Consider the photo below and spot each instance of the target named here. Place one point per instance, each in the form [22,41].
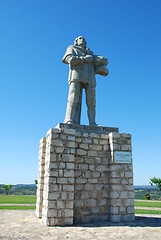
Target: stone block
[53,165]
[131,194]
[128,218]
[68,188]
[102,202]
[84,146]
[114,135]
[95,174]
[69,131]
[115,218]
[81,152]
[115,174]
[103,142]
[78,140]
[126,147]
[104,136]
[57,143]
[101,168]
[53,196]
[130,210]
[92,153]
[85,135]
[69,173]
[60,204]
[114,210]
[96,147]
[59,149]
[128,174]
[69,204]
[123,210]
[68,212]
[129,202]
[124,194]
[114,194]
[94,135]
[71,138]
[51,213]
[71,144]
[68,157]
[91,202]
[95,141]
[87,140]
[69,165]
[81,180]
[92,167]
[125,135]
[68,221]
[62,180]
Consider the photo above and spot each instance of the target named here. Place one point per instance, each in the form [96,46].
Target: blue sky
[33,80]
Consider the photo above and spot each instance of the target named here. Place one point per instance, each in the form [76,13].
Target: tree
[7,187]
[156,181]
[35,181]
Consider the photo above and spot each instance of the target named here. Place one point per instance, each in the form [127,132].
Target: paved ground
[24,225]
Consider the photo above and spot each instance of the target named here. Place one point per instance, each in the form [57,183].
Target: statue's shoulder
[70,49]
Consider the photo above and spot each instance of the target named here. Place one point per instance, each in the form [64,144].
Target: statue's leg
[73,111]
[91,103]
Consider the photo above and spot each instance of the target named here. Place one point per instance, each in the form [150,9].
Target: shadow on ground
[140,221]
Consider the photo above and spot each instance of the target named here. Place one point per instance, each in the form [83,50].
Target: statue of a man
[83,65]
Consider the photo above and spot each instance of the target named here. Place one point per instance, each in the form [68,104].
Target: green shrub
[147,196]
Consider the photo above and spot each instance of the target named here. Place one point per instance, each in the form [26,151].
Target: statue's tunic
[83,73]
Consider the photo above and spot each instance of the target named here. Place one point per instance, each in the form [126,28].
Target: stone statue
[83,65]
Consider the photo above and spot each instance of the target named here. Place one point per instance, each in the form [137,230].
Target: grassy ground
[15,202]
[143,211]
[17,207]
[17,199]
[149,204]
[23,202]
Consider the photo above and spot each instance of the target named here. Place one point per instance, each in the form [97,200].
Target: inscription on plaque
[122,157]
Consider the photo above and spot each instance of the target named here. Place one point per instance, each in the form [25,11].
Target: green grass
[17,199]
[142,211]
[147,204]
[17,207]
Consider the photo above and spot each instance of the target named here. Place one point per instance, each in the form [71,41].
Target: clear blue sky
[34,35]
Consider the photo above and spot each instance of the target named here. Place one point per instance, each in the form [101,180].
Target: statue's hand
[88,59]
[76,61]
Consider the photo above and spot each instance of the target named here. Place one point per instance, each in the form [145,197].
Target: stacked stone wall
[92,178]
[80,181]
[41,173]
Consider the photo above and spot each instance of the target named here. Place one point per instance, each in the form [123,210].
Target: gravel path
[24,225]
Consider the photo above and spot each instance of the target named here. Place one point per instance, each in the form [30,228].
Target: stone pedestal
[79,180]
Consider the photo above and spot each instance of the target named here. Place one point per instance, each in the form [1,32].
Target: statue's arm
[74,60]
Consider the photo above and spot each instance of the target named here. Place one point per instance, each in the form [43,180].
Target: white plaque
[122,157]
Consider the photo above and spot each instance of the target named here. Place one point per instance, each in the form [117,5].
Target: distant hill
[20,189]
[30,189]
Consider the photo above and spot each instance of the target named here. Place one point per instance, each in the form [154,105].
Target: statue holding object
[83,65]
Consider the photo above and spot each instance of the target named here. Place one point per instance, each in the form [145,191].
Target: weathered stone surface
[81,152]
[78,178]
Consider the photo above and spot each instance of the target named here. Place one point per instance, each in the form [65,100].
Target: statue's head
[80,41]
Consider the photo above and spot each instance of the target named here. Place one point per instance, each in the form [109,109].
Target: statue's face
[81,41]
